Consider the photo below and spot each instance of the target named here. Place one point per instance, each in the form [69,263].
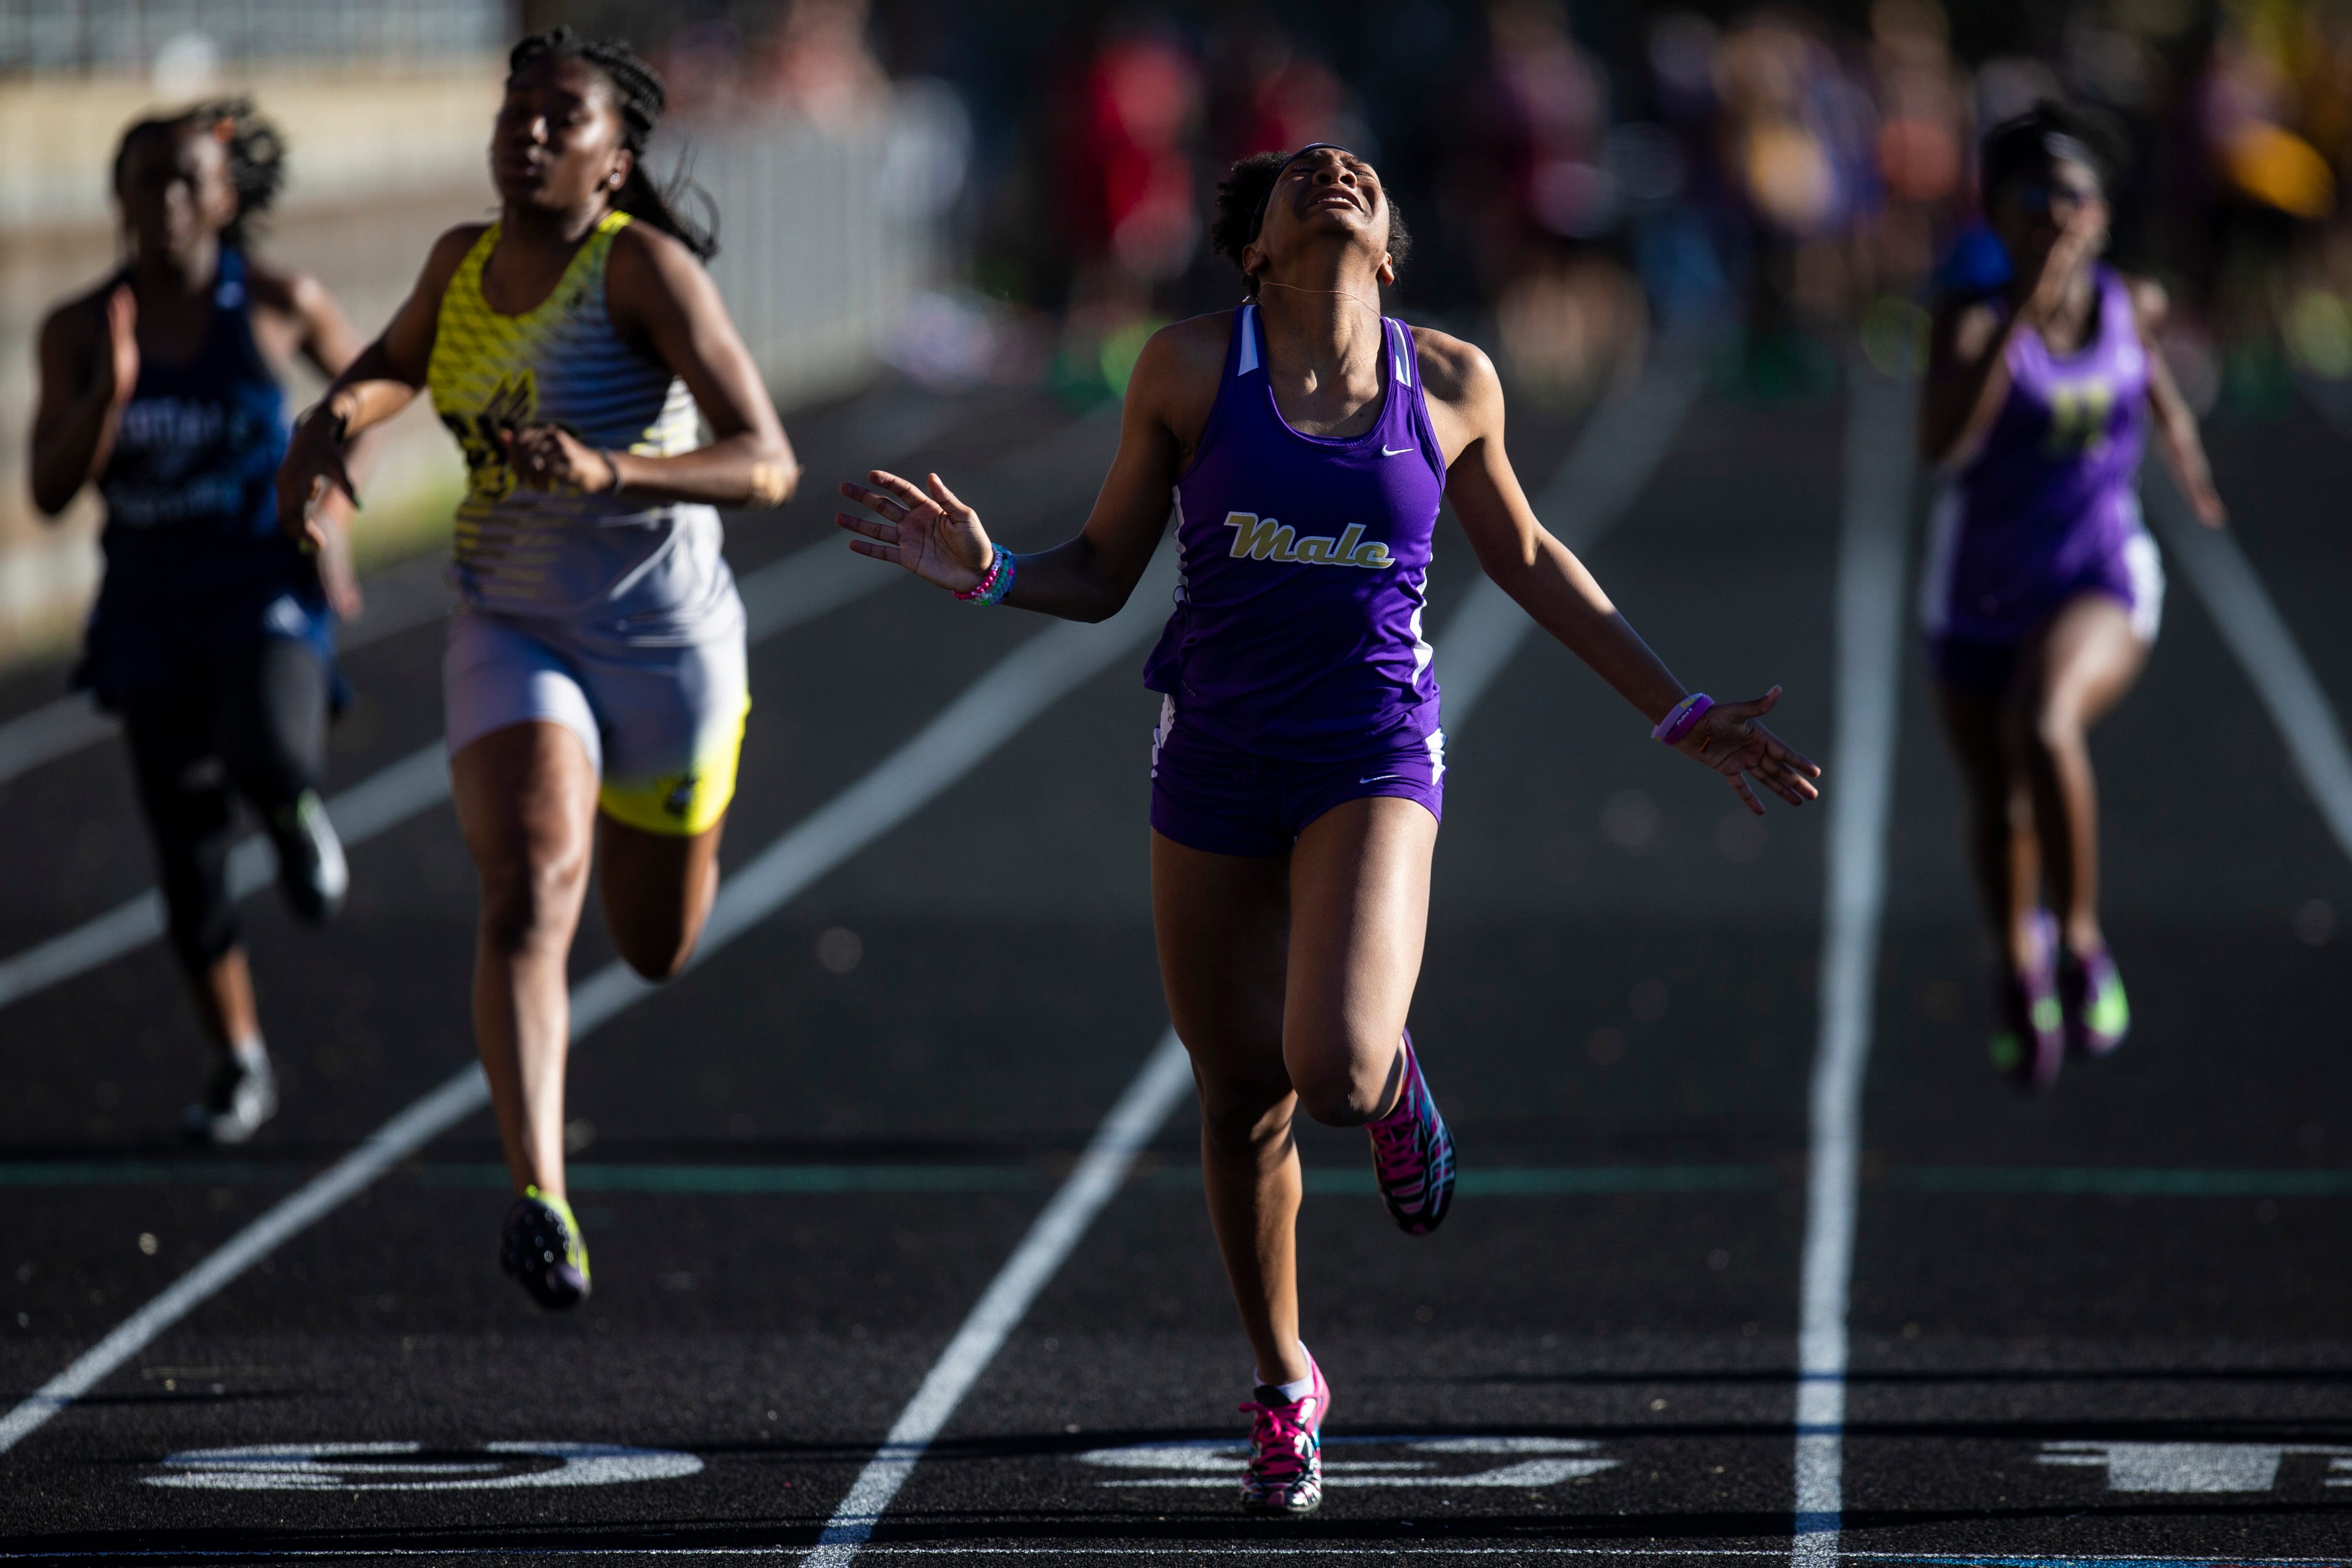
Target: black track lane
[999,1005]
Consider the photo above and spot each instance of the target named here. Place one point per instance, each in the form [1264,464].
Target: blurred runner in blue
[214,633]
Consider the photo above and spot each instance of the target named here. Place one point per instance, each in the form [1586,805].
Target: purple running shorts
[1209,796]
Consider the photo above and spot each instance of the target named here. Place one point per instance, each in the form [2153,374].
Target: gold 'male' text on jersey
[1270,539]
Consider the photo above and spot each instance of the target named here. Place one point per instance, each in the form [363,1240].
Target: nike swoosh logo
[1394,451]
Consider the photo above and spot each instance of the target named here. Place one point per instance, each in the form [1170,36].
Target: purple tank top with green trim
[2053,489]
[1305,569]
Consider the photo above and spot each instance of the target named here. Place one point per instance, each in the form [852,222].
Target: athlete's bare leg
[224,997]
[2079,667]
[2003,852]
[1289,979]
[526,799]
[657,892]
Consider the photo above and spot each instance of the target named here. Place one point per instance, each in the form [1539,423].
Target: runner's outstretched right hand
[932,534]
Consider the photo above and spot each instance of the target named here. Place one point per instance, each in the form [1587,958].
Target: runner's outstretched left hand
[1731,741]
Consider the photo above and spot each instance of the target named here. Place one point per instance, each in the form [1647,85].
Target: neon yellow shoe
[2099,1015]
[2029,1042]
[543,1248]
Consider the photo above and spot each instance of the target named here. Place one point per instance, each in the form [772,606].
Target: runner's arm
[83,396]
[2177,441]
[327,339]
[1542,575]
[1968,378]
[1546,579]
[1968,347]
[381,380]
[931,533]
[663,300]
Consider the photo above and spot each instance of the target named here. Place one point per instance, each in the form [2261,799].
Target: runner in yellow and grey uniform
[595,674]
[614,618]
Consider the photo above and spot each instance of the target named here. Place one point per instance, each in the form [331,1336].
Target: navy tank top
[195,561]
[1305,569]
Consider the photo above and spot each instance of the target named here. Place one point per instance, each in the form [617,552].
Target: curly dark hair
[1242,196]
[638,89]
[2025,144]
[256,154]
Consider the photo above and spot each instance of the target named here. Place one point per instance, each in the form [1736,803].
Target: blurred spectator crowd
[1581,177]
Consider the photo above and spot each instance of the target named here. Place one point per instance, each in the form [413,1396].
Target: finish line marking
[776,597]
[1404,1549]
[1022,685]
[1878,473]
[1611,460]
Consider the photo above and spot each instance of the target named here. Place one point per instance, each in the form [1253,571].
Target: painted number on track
[410,1466]
[2186,1467]
[1418,1462]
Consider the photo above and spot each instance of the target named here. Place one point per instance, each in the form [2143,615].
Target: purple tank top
[1305,569]
[2053,491]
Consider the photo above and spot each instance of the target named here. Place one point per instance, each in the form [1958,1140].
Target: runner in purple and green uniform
[2042,589]
[1296,768]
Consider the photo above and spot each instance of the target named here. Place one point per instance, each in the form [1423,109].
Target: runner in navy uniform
[213,637]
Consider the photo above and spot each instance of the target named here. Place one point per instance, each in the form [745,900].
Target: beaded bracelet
[1682,718]
[993,588]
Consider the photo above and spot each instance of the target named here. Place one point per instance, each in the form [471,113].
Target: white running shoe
[240,1094]
[311,871]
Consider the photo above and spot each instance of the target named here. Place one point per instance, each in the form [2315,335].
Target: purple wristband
[1682,718]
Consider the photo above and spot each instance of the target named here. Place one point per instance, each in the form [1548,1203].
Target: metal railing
[824,236]
[140,35]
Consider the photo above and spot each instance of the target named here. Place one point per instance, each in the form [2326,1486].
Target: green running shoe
[2099,1015]
[2029,1042]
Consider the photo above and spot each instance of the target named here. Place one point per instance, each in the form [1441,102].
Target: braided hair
[1242,197]
[256,153]
[638,93]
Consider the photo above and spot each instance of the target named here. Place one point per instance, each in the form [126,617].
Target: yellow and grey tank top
[606,565]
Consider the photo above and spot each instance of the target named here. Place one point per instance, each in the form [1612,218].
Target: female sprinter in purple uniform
[2042,589]
[1296,771]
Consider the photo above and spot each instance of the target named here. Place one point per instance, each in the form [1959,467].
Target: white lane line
[1613,459]
[2258,635]
[778,596]
[1605,472]
[398,598]
[1869,606]
[1156,1092]
[1022,685]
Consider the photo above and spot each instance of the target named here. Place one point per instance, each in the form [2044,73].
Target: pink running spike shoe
[1413,1155]
[1284,1474]
[2030,1041]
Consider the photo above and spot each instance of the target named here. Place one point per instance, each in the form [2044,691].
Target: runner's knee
[1240,1112]
[530,904]
[656,955]
[1345,1079]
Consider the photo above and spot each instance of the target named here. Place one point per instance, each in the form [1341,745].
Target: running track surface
[2103,1326]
